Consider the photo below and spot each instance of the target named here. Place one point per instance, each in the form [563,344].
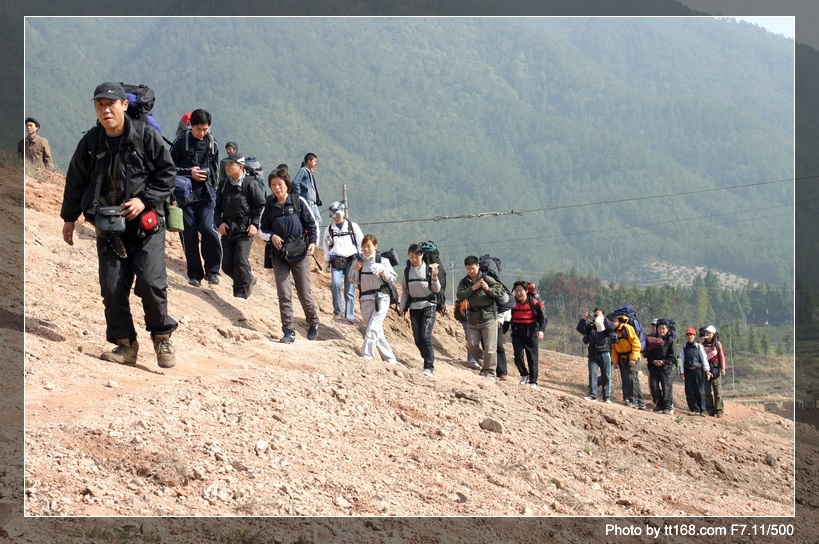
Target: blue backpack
[628,310]
[141,100]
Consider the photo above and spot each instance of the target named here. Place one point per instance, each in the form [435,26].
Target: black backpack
[388,288]
[141,100]
[491,266]
[431,256]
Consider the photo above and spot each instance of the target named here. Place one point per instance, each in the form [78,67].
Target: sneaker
[639,406]
[392,361]
[607,401]
[125,353]
[488,375]
[656,409]
[669,411]
[719,414]
[703,414]
[524,380]
[195,283]
[474,364]
[165,354]
[213,279]
[288,338]
[590,398]
[427,372]
[503,378]
[533,385]
[312,332]
[630,404]
[250,286]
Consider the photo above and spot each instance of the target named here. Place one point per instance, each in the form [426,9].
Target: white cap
[599,323]
[711,329]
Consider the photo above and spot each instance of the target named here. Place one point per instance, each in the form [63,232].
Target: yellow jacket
[628,343]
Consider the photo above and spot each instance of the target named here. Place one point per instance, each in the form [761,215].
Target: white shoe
[524,380]
[392,361]
[533,385]
[427,372]
[589,398]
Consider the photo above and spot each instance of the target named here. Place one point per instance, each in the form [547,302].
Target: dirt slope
[247,426]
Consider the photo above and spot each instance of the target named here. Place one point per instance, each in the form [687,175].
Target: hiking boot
[503,378]
[719,414]
[125,353]
[194,282]
[656,409]
[703,414]
[250,286]
[630,404]
[640,406]
[289,337]
[165,354]
[524,380]
[427,372]
[312,332]
[213,279]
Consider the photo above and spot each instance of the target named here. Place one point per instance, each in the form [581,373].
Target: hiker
[122,169]
[289,228]
[231,148]
[342,242]
[196,156]
[418,296]
[716,360]
[482,292]
[239,205]
[661,361]
[596,329]
[694,371]
[33,147]
[372,274]
[625,351]
[304,183]
[528,326]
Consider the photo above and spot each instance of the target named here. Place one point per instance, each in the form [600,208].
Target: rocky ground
[246,426]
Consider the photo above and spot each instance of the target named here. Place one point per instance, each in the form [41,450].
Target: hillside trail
[245,425]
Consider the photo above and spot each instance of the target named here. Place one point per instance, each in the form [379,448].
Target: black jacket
[667,353]
[239,206]
[144,161]
[599,342]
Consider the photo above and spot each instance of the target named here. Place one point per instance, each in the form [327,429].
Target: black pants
[146,263]
[695,389]
[502,369]
[235,263]
[198,218]
[661,381]
[526,345]
[422,323]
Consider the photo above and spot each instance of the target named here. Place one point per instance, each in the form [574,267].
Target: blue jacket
[188,152]
[304,184]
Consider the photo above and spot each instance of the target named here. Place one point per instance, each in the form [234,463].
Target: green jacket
[480,298]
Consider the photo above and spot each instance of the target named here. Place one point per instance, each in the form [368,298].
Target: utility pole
[452,283]
[344,201]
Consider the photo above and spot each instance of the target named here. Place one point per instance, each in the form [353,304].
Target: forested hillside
[582,124]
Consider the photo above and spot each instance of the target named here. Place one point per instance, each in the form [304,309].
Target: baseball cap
[337,209]
[711,329]
[691,330]
[235,157]
[110,89]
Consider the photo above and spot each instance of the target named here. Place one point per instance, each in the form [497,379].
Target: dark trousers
[526,345]
[423,321]
[198,219]
[235,263]
[713,396]
[630,376]
[502,370]
[301,278]
[146,263]
[661,382]
[695,389]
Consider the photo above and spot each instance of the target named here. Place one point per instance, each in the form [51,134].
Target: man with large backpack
[239,205]
[342,242]
[419,295]
[482,292]
[625,353]
[119,177]
[196,156]
[596,329]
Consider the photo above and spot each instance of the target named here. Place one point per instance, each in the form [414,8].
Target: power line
[584,204]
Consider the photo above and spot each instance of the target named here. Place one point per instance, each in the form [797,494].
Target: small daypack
[254,168]
[628,310]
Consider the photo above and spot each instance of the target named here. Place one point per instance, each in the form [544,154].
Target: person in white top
[342,242]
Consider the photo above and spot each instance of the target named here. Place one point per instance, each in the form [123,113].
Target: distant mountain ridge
[449,117]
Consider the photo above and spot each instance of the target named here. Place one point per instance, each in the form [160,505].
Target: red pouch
[149,222]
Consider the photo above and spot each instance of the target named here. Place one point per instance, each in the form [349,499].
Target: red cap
[691,330]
